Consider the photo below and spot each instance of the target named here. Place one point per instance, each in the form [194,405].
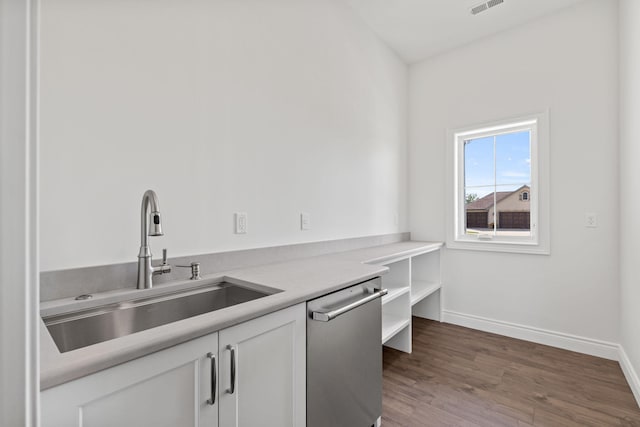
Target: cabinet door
[270,371]
[165,389]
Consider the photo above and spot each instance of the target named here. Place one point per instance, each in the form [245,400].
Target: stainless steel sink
[83,328]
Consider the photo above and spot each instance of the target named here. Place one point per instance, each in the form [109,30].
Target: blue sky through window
[512,167]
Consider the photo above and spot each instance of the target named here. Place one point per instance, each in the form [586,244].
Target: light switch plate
[305,221]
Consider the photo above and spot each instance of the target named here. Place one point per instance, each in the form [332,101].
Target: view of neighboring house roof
[487,201]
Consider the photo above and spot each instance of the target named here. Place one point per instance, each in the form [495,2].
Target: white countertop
[300,280]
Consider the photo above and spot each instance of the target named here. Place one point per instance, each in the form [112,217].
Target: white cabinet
[164,389]
[173,387]
[414,286]
[269,354]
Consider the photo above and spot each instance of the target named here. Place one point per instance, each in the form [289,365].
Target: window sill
[497,246]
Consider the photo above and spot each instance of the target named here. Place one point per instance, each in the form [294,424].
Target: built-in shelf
[394,293]
[391,325]
[420,289]
[414,289]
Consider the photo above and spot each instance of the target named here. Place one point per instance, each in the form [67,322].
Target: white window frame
[539,242]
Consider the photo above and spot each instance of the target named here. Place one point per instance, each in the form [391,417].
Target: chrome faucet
[150,209]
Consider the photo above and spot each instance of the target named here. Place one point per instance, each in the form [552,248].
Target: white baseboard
[604,349]
[630,374]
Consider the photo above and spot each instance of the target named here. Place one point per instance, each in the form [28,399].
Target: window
[497,186]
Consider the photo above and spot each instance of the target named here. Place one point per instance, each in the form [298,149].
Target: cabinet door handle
[214,379]
[232,389]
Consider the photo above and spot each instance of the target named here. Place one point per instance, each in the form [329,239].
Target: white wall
[629,180]
[271,108]
[19,298]
[566,62]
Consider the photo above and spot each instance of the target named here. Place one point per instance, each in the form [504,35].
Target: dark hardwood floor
[462,377]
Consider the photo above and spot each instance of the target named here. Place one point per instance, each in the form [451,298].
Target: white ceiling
[418,29]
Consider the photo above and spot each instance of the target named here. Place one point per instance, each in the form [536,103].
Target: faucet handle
[164,267]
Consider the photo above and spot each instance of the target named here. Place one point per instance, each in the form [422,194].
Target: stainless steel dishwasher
[344,357]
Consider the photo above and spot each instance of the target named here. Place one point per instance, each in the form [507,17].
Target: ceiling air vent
[485,6]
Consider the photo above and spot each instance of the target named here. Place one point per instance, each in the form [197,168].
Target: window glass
[477,218]
[497,169]
[479,162]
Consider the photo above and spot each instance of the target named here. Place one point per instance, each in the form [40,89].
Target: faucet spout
[150,210]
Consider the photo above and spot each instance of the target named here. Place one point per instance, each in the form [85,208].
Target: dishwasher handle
[325,316]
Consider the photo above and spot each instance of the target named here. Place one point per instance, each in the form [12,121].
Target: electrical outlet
[241,222]
[590,220]
[305,221]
